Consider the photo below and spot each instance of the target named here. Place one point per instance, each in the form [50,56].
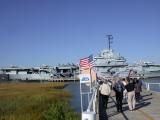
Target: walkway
[147,109]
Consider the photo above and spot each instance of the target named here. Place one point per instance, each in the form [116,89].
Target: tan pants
[131,100]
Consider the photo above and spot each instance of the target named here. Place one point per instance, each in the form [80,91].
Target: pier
[148,108]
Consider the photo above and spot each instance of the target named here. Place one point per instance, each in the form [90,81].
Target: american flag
[87,62]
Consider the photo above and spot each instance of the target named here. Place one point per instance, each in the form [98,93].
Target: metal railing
[92,109]
[151,86]
[92,102]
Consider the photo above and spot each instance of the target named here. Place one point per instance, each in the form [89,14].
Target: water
[152,80]
[153,87]
[74,89]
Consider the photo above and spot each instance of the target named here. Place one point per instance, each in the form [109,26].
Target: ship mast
[110,38]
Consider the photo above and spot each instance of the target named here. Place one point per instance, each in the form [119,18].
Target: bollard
[88,116]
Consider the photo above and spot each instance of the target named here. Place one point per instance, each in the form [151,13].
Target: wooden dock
[147,109]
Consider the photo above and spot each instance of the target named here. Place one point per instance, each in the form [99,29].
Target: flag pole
[90,70]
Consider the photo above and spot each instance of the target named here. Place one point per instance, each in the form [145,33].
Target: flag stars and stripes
[87,62]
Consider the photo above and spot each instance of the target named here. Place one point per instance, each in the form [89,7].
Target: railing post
[94,102]
[97,102]
[148,87]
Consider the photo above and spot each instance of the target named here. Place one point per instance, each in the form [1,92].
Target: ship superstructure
[108,62]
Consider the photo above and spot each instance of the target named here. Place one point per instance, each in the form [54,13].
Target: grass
[35,101]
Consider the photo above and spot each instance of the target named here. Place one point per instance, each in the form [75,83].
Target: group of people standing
[126,88]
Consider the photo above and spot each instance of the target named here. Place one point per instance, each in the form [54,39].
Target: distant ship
[109,63]
[147,69]
[45,73]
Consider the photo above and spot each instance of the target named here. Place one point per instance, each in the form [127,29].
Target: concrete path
[147,109]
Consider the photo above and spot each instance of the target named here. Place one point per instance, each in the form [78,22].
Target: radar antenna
[110,38]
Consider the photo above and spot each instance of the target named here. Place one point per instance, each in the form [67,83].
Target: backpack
[119,87]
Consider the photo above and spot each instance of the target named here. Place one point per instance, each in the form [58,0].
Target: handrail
[90,103]
[92,98]
[90,114]
[154,83]
[147,85]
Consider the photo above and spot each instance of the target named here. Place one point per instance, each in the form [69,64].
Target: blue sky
[36,32]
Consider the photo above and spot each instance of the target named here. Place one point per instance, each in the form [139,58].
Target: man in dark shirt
[131,94]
